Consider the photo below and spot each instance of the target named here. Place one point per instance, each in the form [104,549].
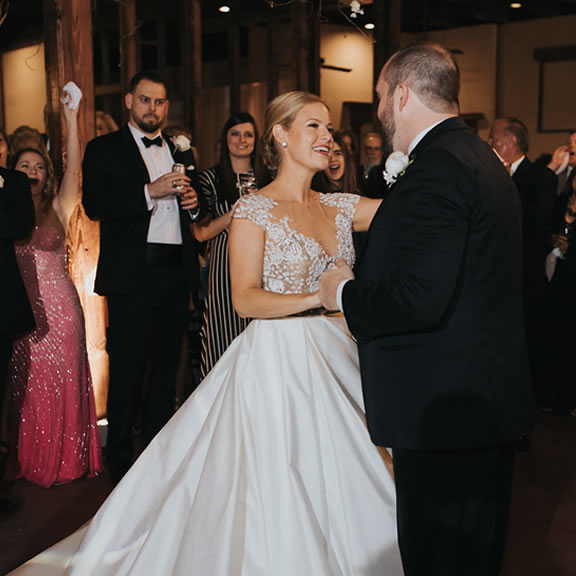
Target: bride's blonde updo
[282,110]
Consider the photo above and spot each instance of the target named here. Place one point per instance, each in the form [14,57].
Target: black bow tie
[152,141]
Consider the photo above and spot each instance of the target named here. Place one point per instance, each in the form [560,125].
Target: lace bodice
[293,262]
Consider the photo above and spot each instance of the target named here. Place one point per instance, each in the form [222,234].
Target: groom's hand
[330,281]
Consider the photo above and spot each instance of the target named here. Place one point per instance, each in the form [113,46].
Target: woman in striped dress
[240,171]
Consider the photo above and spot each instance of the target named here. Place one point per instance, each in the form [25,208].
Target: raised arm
[250,300]
[69,193]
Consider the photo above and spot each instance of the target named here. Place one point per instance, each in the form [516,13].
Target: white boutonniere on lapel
[396,165]
[1,182]
[181,143]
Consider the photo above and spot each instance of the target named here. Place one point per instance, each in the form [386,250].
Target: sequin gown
[267,469]
[54,420]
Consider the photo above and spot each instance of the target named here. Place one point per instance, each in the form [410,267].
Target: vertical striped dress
[221,323]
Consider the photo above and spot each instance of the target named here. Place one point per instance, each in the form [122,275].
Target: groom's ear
[402,93]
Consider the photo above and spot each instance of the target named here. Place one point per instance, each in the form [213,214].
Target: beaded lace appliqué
[293,262]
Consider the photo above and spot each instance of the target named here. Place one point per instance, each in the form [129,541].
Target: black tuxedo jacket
[16,223]
[437,306]
[114,175]
[537,187]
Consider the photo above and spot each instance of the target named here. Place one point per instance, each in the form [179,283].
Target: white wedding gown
[268,468]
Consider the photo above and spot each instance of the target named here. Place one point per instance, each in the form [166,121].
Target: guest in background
[372,184]
[537,188]
[372,151]
[148,264]
[4,149]
[105,123]
[241,170]
[27,137]
[340,176]
[16,223]
[55,431]
[561,268]
[562,162]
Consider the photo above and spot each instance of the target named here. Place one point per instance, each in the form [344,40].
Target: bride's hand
[330,281]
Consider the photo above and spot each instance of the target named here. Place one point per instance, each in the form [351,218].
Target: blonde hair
[283,110]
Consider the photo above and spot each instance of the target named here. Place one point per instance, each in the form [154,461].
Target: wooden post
[234,43]
[273,60]
[192,50]
[68,33]
[313,62]
[306,19]
[388,21]
[128,46]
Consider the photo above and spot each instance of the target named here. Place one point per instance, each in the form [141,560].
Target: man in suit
[16,223]
[562,163]
[437,313]
[147,265]
[537,188]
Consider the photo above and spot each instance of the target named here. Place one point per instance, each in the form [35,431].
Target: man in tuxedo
[537,188]
[437,313]
[147,265]
[563,162]
[16,223]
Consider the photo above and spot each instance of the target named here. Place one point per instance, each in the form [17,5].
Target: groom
[437,313]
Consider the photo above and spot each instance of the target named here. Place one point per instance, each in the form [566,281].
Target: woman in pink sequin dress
[54,426]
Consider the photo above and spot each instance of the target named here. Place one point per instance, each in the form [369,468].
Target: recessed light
[515,4]
[369,26]
[224,8]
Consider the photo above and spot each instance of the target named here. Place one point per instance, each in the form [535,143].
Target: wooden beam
[234,51]
[313,63]
[128,45]
[68,57]
[388,22]
[273,59]
[192,50]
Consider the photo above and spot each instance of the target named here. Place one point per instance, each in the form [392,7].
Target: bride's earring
[284,144]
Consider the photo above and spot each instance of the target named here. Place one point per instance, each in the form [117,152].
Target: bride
[268,468]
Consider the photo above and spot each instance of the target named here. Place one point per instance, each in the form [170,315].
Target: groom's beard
[388,129]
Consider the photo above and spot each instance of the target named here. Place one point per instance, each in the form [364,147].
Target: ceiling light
[369,26]
[515,4]
[224,8]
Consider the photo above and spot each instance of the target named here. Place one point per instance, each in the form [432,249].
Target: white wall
[24,80]
[346,47]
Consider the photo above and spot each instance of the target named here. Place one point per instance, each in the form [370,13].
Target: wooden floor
[542,539]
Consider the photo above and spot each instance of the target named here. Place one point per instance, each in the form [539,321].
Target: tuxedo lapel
[133,160]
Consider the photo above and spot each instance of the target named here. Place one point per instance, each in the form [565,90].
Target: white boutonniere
[396,165]
[1,182]
[181,143]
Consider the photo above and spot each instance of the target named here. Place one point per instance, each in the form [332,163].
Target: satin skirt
[267,469]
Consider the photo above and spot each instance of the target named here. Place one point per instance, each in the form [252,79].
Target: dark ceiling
[24,19]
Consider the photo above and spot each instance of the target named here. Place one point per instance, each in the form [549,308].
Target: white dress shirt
[164,225]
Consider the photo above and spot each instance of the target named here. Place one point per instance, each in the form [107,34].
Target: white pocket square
[191,167]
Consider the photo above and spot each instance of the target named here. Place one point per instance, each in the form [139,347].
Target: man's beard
[150,126]
[388,129]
